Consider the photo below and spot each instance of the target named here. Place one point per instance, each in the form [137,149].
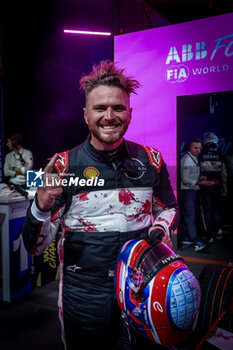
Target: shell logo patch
[91,172]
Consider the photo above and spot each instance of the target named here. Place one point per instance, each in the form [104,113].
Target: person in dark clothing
[213,169]
[229,167]
[117,186]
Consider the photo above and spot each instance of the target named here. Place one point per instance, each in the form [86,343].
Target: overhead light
[85,32]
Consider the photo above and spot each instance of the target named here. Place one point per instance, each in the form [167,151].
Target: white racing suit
[115,198]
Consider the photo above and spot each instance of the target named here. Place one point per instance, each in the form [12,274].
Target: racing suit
[113,200]
[212,168]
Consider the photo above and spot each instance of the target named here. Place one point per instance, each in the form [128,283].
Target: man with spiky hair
[95,221]
[107,82]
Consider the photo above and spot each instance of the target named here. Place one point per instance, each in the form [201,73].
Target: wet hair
[106,73]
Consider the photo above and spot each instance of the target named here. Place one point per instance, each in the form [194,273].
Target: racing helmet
[209,137]
[157,293]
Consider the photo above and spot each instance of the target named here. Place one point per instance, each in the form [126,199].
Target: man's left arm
[28,163]
[164,209]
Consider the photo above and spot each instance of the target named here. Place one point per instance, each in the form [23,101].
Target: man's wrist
[38,205]
[39,214]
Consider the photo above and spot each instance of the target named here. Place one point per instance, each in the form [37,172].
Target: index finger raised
[49,167]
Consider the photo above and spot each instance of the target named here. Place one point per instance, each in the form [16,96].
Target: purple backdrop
[184,59]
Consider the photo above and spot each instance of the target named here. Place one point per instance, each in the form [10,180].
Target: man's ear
[131,111]
[85,115]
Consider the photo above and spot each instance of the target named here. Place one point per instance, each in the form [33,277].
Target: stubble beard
[108,138]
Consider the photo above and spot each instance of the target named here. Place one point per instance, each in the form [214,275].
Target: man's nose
[110,113]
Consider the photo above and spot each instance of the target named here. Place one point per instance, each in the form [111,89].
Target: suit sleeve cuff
[38,213]
[163,226]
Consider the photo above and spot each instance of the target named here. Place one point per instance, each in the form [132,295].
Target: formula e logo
[157,306]
[177,74]
[35,178]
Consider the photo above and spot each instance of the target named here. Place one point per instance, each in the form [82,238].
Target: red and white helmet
[157,292]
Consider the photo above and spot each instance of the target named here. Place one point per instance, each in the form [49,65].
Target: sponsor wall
[177,60]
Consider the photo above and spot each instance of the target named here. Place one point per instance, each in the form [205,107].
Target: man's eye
[119,109]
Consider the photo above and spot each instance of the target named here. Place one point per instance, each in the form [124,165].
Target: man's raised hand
[46,195]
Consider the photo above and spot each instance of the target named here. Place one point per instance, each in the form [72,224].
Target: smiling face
[108,115]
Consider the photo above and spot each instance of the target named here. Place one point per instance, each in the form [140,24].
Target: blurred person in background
[229,167]
[213,169]
[189,195]
[17,161]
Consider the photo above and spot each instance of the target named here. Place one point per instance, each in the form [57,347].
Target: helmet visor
[154,259]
